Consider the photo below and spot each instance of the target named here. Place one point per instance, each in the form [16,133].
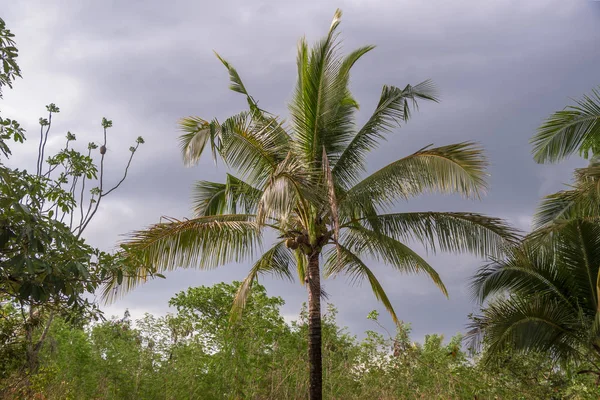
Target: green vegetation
[47,270]
[199,353]
[536,336]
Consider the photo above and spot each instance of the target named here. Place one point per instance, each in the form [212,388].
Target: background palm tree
[544,296]
[304,181]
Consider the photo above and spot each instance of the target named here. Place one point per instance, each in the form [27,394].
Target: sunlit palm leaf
[581,201]
[254,151]
[318,96]
[288,192]
[203,242]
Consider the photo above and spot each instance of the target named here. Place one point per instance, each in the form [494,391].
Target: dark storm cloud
[501,68]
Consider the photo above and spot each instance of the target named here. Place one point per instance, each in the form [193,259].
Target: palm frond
[277,261]
[544,295]
[362,241]
[525,324]
[252,150]
[393,108]
[238,86]
[204,242]
[289,192]
[525,272]
[458,168]
[197,133]
[348,263]
[576,128]
[452,231]
[213,198]
[582,200]
[301,266]
[318,95]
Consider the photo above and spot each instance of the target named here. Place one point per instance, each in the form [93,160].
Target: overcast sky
[501,67]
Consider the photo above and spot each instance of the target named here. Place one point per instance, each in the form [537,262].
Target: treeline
[198,353]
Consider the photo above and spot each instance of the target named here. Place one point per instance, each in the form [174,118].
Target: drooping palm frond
[277,261]
[393,108]
[197,133]
[254,150]
[576,128]
[204,242]
[343,261]
[362,241]
[525,272]
[536,323]
[458,168]
[451,231]
[213,198]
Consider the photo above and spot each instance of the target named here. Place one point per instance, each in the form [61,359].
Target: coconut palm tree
[545,296]
[304,180]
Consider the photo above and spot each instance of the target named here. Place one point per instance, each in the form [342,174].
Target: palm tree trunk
[314,328]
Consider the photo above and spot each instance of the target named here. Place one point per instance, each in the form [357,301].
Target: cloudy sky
[501,67]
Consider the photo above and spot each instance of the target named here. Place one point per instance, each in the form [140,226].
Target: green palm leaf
[577,128]
[451,231]
[581,201]
[346,262]
[393,108]
[277,261]
[205,242]
[544,295]
[213,198]
[197,134]
[362,241]
[458,168]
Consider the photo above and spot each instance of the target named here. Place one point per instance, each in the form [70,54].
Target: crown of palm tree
[305,180]
[544,295]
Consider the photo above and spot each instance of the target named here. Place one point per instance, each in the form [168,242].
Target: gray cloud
[501,68]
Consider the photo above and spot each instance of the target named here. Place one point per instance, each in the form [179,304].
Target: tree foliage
[46,267]
[198,352]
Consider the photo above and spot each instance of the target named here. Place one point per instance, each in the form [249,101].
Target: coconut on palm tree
[303,179]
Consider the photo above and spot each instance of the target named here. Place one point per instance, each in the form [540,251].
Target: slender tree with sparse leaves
[304,180]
